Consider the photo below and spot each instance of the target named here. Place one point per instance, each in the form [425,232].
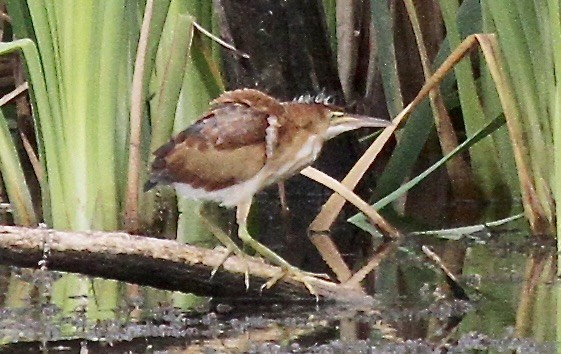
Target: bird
[245,142]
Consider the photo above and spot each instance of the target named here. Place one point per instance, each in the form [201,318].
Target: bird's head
[328,119]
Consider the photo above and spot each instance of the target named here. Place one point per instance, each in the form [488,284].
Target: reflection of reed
[383,251]
[434,321]
[254,339]
[14,291]
[536,300]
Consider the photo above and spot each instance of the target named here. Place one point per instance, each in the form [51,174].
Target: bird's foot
[298,275]
[239,253]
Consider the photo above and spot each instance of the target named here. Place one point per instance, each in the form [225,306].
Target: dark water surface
[510,278]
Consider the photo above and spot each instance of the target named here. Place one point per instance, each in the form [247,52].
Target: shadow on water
[510,279]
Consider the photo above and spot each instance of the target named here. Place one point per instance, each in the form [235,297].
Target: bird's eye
[336,114]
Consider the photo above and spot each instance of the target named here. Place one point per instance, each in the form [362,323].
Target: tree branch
[163,264]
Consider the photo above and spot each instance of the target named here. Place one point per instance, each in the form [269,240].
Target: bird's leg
[282,198]
[230,245]
[285,214]
[242,212]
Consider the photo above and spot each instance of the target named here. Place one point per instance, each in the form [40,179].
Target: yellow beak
[343,122]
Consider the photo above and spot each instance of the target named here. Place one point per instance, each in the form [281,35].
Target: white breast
[307,154]
[228,197]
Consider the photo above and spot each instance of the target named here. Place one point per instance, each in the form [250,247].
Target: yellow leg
[230,246]
[242,213]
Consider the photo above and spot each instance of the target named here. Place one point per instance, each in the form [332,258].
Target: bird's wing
[257,100]
[226,146]
[259,103]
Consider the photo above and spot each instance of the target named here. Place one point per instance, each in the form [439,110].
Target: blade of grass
[329,8]
[459,173]
[351,197]
[359,219]
[14,179]
[484,165]
[42,109]
[492,107]
[458,233]
[172,80]
[347,50]
[554,20]
[492,55]
[333,206]
[383,29]
[511,33]
[536,215]
[131,219]
[23,27]
[76,123]
[171,69]
[414,134]
[105,172]
[202,83]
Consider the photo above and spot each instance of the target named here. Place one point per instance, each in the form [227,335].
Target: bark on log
[163,264]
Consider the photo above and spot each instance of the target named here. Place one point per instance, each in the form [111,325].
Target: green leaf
[360,220]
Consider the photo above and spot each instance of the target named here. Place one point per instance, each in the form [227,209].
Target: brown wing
[225,146]
[257,100]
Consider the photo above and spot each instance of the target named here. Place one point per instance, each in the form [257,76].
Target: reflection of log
[159,263]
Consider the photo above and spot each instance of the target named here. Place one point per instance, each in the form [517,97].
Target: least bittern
[244,143]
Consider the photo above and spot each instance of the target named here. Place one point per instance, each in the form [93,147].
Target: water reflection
[510,281]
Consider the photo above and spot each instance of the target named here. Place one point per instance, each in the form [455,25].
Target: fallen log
[163,264]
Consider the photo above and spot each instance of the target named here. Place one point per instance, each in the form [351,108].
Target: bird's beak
[343,122]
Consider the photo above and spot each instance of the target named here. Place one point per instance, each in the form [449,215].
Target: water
[510,280]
